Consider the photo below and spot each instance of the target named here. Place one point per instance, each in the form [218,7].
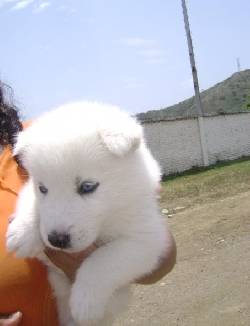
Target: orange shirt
[23,282]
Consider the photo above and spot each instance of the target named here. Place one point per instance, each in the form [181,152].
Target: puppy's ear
[121,135]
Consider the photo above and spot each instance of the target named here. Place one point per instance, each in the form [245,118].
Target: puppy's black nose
[59,240]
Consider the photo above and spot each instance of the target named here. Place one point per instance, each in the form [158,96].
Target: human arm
[69,263]
[165,265]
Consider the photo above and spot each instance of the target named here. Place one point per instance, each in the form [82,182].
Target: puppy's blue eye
[87,187]
[43,189]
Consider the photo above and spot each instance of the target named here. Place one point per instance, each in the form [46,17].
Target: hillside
[229,96]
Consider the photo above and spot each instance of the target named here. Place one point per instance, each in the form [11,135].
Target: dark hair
[10,123]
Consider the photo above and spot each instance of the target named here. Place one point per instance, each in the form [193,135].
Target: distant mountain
[230,96]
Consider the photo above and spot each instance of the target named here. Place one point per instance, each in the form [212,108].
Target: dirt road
[210,285]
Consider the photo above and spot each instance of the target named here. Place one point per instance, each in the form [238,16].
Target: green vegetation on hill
[230,96]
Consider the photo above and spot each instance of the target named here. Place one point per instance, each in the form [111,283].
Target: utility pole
[199,108]
[238,64]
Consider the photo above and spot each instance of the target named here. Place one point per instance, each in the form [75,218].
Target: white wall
[176,144]
[228,136]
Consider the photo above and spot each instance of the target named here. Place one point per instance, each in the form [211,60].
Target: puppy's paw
[23,243]
[87,308]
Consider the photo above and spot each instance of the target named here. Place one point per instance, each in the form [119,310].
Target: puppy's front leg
[23,234]
[110,267]
[61,287]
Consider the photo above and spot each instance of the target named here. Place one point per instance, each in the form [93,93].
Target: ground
[210,284]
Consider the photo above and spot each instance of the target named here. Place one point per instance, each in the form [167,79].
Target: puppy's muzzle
[59,240]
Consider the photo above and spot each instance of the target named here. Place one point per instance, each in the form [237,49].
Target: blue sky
[131,53]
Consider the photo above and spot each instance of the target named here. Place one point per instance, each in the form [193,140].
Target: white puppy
[92,179]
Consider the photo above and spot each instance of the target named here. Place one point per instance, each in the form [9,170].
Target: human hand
[166,264]
[69,262]
[11,320]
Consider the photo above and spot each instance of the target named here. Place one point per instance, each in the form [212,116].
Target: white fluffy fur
[95,142]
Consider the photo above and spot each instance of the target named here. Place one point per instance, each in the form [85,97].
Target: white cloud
[3,2]
[132,83]
[152,55]
[42,6]
[147,49]
[6,2]
[15,5]
[22,4]
[67,9]
[137,42]
[62,8]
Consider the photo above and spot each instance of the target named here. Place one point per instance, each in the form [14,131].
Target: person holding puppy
[25,294]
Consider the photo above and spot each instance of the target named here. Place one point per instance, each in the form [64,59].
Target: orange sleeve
[23,282]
